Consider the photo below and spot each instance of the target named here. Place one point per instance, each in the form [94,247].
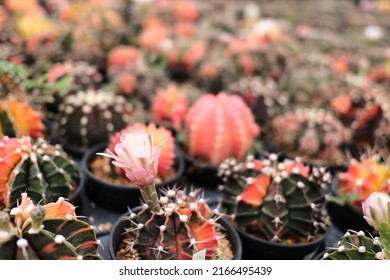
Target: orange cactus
[122,58]
[160,134]
[20,119]
[170,104]
[364,177]
[220,126]
[186,10]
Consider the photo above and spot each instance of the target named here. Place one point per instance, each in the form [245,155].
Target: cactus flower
[138,157]
[376,209]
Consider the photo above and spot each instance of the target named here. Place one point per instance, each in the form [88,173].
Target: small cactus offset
[91,117]
[160,135]
[170,105]
[313,134]
[362,178]
[220,126]
[41,170]
[277,201]
[50,232]
[184,226]
[19,119]
[356,246]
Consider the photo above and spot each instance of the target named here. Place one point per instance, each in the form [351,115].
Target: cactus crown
[90,117]
[160,135]
[356,246]
[41,170]
[19,119]
[314,134]
[220,126]
[185,227]
[277,201]
[50,232]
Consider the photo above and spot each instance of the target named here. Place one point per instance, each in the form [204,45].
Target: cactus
[220,127]
[50,232]
[41,170]
[90,117]
[170,105]
[362,178]
[12,77]
[160,135]
[19,119]
[277,201]
[356,246]
[184,227]
[313,134]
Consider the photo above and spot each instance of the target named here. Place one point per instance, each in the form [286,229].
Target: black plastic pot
[259,249]
[200,173]
[117,197]
[119,229]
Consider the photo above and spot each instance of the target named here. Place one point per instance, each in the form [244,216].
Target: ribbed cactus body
[356,246]
[41,170]
[220,126]
[184,228]
[49,233]
[88,118]
[313,134]
[278,201]
[160,134]
[19,119]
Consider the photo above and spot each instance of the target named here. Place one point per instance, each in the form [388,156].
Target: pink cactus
[220,126]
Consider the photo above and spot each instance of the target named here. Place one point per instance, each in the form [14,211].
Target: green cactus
[183,228]
[356,246]
[277,201]
[41,170]
[90,117]
[62,237]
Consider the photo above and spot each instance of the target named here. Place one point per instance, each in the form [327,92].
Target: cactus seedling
[50,232]
[90,117]
[41,170]
[19,119]
[220,127]
[314,134]
[277,201]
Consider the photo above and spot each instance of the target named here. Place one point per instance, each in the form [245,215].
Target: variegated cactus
[170,105]
[91,117]
[220,126]
[356,246]
[362,178]
[19,119]
[185,226]
[313,134]
[279,201]
[41,170]
[160,135]
[50,232]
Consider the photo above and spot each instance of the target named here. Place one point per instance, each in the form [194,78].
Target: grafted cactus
[356,246]
[160,134]
[277,201]
[50,232]
[19,119]
[184,227]
[220,126]
[41,170]
[313,134]
[91,117]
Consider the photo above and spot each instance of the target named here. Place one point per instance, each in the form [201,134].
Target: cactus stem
[150,196]
[385,238]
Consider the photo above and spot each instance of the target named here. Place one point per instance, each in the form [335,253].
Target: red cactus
[172,105]
[220,126]
[167,151]
[122,58]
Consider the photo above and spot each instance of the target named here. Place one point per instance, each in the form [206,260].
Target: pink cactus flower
[138,156]
[376,210]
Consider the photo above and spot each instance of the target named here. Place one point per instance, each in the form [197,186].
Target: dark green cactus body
[60,239]
[90,117]
[277,201]
[356,246]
